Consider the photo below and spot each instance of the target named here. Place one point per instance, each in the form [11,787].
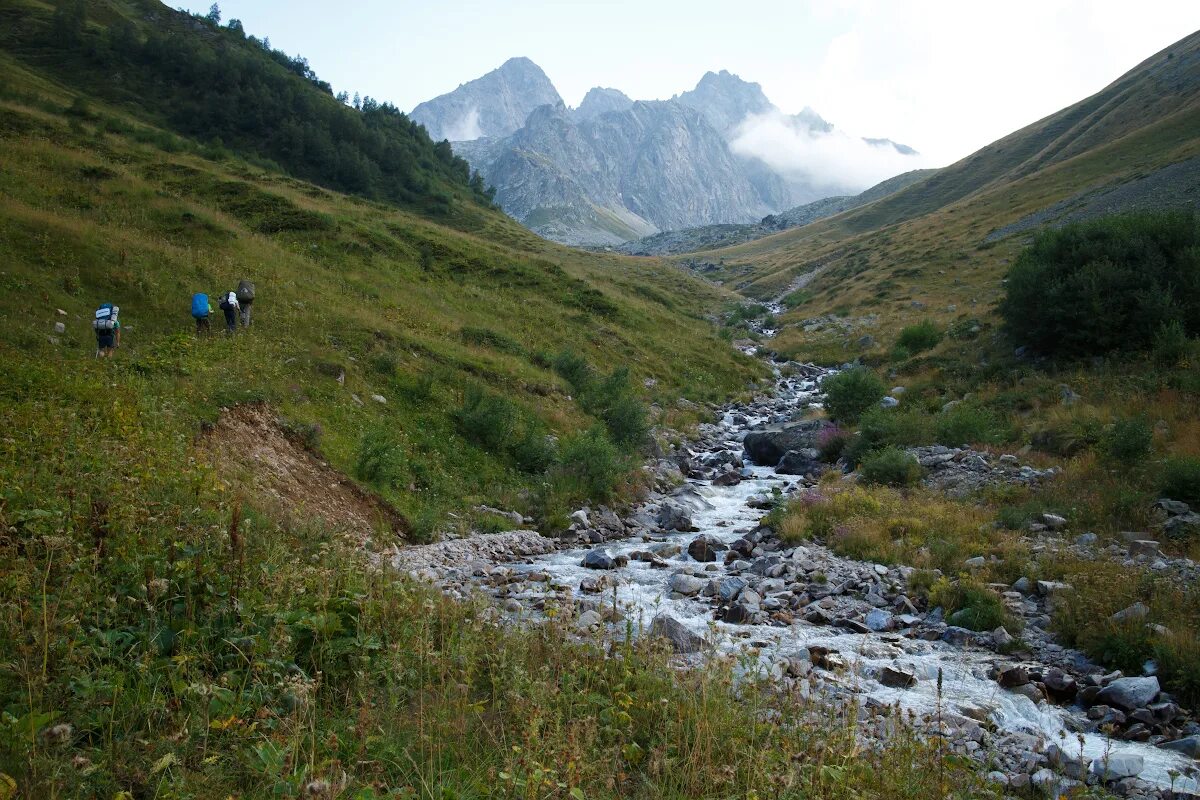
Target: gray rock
[1117,766]
[767,448]
[1128,694]
[681,639]
[1001,637]
[588,620]
[580,518]
[378,398]
[1144,547]
[879,620]
[729,588]
[1134,612]
[1188,745]
[889,402]
[975,563]
[674,517]
[1086,539]
[686,585]
[598,559]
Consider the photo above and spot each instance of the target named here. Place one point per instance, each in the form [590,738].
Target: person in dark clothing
[108,330]
[245,298]
[229,304]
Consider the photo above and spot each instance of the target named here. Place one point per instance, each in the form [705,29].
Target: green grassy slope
[93,209]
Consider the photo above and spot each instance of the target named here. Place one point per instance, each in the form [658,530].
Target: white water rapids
[642,593]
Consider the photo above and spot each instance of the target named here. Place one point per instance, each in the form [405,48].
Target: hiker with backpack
[201,312]
[108,330]
[229,304]
[245,298]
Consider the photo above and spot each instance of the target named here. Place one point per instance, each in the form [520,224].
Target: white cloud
[834,162]
[466,129]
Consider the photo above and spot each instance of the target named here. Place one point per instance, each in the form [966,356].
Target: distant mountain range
[615,169]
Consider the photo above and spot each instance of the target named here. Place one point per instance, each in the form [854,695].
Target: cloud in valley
[834,161]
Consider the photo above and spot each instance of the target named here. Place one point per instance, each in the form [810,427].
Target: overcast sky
[944,76]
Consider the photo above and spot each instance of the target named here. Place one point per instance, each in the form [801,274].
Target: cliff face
[496,104]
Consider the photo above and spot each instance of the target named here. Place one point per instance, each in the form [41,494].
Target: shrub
[890,467]
[1128,440]
[881,427]
[967,424]
[487,419]
[969,604]
[534,452]
[381,460]
[1181,480]
[575,370]
[848,394]
[486,337]
[920,337]
[831,442]
[1107,284]
[1171,344]
[591,465]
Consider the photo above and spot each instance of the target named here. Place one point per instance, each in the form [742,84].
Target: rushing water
[642,593]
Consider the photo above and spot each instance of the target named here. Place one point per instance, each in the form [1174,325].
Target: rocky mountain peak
[725,99]
[494,105]
[600,100]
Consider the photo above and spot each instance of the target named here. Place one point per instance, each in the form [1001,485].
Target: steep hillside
[939,246]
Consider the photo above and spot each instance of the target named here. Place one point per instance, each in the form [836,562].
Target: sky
[943,76]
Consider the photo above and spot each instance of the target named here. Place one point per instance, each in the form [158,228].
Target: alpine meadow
[583,452]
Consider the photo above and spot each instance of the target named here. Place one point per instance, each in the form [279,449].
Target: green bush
[1107,284]
[967,424]
[969,604]
[891,466]
[920,337]
[881,427]
[1171,344]
[1181,480]
[575,370]
[848,394]
[381,460]
[1127,441]
[488,419]
[590,466]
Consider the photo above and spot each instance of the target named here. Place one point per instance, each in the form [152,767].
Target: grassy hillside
[171,631]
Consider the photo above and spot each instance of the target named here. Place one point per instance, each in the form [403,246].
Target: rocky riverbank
[695,565]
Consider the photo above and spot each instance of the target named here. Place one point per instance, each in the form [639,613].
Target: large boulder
[676,633]
[674,517]
[1188,745]
[767,448]
[1129,693]
[705,547]
[598,559]
[801,462]
[897,678]
[1116,766]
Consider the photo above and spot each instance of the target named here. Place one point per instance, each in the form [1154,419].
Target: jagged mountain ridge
[496,104]
[613,170]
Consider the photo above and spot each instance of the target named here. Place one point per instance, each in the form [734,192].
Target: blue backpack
[199,305]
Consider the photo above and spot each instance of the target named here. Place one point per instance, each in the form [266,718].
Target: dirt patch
[249,446]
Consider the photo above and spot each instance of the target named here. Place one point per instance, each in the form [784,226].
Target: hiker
[245,298]
[229,304]
[201,311]
[108,330]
